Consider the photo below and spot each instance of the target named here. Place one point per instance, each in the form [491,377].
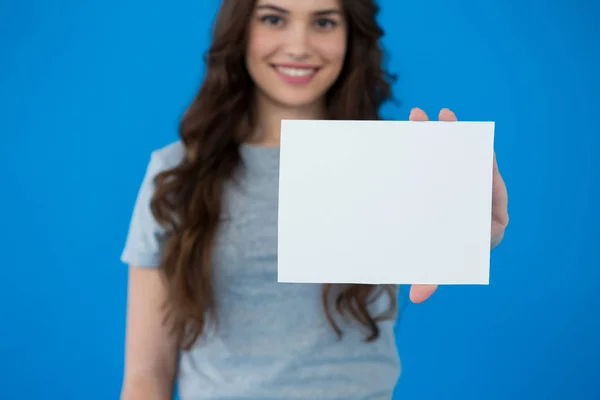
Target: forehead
[302,6]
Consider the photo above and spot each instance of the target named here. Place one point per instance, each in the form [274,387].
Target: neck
[268,115]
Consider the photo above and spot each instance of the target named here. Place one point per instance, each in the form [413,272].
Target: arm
[150,349]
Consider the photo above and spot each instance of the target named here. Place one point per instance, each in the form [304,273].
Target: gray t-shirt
[273,340]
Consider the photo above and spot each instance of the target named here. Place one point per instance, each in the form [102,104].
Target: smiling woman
[202,244]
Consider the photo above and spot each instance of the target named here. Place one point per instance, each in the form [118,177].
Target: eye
[325,23]
[274,20]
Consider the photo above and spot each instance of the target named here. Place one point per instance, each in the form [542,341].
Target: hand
[499,206]
[420,293]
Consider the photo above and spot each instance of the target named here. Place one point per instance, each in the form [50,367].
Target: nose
[298,42]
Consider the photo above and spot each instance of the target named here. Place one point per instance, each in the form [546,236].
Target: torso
[273,340]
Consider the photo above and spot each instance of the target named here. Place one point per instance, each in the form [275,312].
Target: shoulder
[167,157]
[144,244]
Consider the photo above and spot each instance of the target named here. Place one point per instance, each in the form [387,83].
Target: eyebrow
[319,13]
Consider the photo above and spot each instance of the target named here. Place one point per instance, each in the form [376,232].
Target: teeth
[296,71]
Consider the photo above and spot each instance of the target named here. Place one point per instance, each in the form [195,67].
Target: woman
[204,303]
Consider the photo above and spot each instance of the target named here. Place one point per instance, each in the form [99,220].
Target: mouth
[296,74]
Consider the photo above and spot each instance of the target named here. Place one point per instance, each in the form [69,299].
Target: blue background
[89,88]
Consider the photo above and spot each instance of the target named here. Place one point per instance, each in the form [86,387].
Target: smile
[296,75]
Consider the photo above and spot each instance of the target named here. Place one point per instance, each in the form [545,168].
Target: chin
[297,103]
[297,99]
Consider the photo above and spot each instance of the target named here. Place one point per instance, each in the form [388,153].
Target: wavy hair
[188,198]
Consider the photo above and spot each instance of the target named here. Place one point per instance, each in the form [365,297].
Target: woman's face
[296,49]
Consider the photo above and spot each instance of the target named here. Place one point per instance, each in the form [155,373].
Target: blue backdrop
[89,88]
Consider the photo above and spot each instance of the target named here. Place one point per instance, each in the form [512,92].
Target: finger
[447,115]
[416,114]
[498,185]
[496,171]
[420,293]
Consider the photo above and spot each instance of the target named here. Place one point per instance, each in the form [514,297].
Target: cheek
[333,49]
[261,44]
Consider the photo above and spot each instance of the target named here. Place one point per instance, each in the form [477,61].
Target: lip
[296,79]
[295,65]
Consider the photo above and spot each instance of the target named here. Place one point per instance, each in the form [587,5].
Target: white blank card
[385,202]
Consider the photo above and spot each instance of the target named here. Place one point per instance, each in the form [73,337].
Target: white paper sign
[379,202]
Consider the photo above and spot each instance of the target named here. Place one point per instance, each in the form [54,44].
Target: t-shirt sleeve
[145,237]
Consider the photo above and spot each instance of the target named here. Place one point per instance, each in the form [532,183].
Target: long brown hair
[187,201]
